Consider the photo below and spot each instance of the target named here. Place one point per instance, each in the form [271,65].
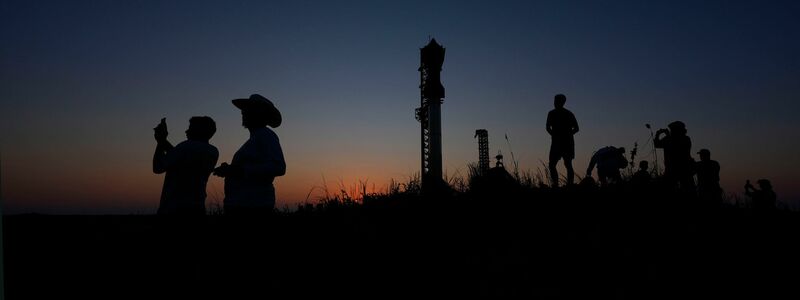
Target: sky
[82,84]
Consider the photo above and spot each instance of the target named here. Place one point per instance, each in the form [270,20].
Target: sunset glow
[83,84]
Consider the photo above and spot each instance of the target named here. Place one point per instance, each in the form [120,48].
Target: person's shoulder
[211,148]
[197,145]
[265,136]
[184,145]
[562,112]
[606,149]
[265,132]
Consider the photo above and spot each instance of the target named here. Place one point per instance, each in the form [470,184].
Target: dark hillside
[535,243]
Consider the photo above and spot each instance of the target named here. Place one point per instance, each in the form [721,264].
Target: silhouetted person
[678,161]
[608,161]
[561,125]
[707,170]
[187,165]
[642,176]
[249,177]
[763,199]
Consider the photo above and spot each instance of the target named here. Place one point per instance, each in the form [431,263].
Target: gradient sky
[82,84]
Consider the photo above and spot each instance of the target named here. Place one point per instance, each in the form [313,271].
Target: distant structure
[499,161]
[483,151]
[429,114]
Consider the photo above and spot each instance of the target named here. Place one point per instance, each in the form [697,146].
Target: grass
[517,239]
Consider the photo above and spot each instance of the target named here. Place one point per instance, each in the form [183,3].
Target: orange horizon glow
[83,84]
[91,191]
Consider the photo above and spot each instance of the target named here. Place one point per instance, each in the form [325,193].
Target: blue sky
[82,83]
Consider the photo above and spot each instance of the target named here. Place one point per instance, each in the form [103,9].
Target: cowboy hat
[263,105]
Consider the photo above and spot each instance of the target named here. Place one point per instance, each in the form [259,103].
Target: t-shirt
[677,151]
[561,122]
[188,166]
[707,173]
[261,159]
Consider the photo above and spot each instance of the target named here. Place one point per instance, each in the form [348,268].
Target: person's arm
[748,189]
[224,170]
[658,141]
[158,160]
[161,157]
[162,147]
[549,125]
[273,164]
[592,163]
[575,128]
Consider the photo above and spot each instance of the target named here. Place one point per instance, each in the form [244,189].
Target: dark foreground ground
[535,244]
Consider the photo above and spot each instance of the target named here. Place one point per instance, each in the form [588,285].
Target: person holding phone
[187,166]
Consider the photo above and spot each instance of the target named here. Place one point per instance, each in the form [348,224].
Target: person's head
[253,118]
[765,185]
[258,112]
[643,165]
[560,100]
[705,155]
[677,128]
[201,128]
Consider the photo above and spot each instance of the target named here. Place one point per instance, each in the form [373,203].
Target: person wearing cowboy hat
[249,176]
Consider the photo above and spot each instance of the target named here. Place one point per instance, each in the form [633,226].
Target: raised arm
[658,141]
[160,157]
[749,189]
[163,147]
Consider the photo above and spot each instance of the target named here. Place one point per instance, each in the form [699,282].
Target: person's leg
[570,171]
[553,172]
[555,155]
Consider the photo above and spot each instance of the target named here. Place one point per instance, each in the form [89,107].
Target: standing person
[608,161]
[187,165]
[708,188]
[678,161]
[249,176]
[561,125]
